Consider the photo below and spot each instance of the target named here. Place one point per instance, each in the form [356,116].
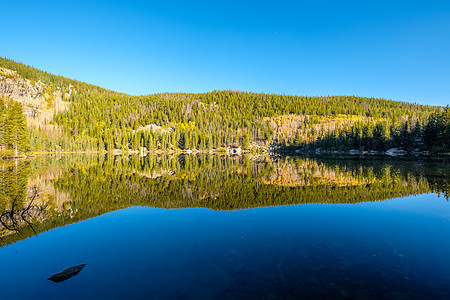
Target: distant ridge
[81,116]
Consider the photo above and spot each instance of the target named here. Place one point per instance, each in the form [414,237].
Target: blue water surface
[393,249]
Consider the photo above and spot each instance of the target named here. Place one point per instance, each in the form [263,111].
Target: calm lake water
[218,227]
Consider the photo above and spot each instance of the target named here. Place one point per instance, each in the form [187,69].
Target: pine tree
[16,128]
[3,132]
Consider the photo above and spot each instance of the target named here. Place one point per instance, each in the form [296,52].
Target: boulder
[67,273]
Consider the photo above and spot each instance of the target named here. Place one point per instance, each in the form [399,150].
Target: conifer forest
[76,116]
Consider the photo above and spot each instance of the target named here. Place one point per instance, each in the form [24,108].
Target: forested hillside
[98,119]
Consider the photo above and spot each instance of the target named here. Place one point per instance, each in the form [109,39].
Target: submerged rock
[67,273]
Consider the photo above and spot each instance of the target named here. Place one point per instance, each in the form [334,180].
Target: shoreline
[314,154]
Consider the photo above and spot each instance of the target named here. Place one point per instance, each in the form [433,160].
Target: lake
[221,227]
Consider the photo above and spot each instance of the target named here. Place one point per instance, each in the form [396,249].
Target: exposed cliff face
[39,103]
[22,90]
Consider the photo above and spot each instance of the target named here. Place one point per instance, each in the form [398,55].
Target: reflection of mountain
[312,173]
[28,197]
[72,189]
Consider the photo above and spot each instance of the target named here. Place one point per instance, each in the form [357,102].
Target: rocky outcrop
[22,90]
[396,152]
[155,128]
[39,102]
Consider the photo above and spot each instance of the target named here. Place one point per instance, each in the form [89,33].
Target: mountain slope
[88,117]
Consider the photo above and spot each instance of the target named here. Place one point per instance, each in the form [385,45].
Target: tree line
[433,134]
[13,138]
[99,119]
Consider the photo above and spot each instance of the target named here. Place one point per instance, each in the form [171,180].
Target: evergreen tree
[99,119]
[16,128]
[3,132]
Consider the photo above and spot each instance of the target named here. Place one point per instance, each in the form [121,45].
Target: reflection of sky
[425,204]
[147,251]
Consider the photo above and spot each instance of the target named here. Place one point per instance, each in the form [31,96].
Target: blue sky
[390,49]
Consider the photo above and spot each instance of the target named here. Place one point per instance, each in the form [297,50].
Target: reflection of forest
[28,196]
[48,192]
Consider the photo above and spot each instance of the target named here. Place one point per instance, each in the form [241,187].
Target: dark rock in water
[67,273]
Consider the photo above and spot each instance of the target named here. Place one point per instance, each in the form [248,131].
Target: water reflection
[217,248]
[14,219]
[51,192]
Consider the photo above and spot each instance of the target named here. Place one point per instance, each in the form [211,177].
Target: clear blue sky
[391,49]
